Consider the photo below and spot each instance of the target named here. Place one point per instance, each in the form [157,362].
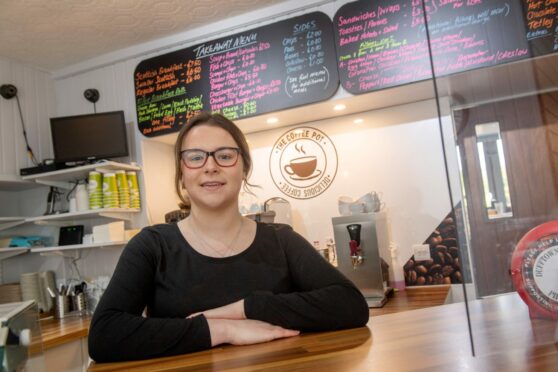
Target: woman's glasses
[196,158]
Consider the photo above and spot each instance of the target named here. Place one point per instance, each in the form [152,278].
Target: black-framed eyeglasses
[196,158]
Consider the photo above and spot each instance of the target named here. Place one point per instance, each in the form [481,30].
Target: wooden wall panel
[524,127]
[549,106]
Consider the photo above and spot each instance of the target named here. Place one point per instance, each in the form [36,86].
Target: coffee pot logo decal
[303,162]
[303,167]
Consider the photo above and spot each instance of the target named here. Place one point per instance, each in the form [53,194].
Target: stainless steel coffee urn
[358,253]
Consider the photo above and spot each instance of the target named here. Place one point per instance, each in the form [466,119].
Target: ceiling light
[358,121]
[272,120]
[339,107]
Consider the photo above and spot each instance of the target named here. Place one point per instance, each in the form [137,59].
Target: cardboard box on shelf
[110,232]
[5,242]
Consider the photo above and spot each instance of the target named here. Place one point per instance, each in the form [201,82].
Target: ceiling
[53,34]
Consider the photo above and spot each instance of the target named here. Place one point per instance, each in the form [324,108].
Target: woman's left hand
[234,310]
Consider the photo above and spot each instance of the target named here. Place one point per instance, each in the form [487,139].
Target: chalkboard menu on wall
[282,65]
[541,20]
[383,43]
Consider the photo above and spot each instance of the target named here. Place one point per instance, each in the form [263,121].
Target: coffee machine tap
[354,244]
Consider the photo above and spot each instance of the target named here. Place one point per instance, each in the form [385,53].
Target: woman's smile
[212,185]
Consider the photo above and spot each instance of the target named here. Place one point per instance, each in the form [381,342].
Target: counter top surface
[413,298]
[59,331]
[435,338]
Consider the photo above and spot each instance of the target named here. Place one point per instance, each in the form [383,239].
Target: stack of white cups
[82,199]
[31,288]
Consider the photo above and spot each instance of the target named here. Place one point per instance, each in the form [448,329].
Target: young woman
[216,277]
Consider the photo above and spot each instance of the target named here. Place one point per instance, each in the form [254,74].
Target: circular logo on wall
[303,162]
[534,269]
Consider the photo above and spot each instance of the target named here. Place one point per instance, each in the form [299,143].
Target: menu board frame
[541,22]
[383,43]
[274,67]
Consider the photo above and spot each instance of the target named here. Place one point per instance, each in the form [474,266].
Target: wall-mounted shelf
[9,222]
[59,249]
[63,178]
[65,218]
[62,219]
[11,252]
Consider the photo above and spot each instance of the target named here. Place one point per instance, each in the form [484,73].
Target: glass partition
[496,80]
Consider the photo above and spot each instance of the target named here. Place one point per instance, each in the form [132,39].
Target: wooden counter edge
[57,332]
[500,323]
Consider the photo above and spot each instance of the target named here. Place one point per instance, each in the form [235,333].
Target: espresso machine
[358,253]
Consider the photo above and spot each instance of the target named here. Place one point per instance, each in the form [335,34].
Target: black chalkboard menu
[383,43]
[541,21]
[273,67]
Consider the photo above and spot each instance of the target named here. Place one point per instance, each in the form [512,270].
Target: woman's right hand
[245,331]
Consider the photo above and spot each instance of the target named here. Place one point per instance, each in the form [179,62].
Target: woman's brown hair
[216,120]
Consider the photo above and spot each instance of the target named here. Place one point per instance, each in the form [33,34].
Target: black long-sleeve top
[280,276]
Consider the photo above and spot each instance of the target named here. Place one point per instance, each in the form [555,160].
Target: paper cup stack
[31,288]
[134,189]
[110,191]
[123,189]
[95,190]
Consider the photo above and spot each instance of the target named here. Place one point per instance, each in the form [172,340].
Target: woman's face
[211,186]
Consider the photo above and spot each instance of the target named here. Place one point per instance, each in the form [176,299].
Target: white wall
[158,175]
[36,96]
[35,90]
[30,202]
[396,151]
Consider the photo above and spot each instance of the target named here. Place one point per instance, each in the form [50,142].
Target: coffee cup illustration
[302,167]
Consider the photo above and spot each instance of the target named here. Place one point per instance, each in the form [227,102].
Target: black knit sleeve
[118,330]
[323,298]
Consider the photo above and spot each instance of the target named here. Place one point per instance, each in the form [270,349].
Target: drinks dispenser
[358,254]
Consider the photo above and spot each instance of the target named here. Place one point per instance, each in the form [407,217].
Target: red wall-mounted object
[534,270]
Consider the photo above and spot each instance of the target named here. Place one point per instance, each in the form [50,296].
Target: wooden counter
[413,298]
[432,338]
[59,331]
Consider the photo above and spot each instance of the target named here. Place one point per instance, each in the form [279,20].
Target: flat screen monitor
[89,137]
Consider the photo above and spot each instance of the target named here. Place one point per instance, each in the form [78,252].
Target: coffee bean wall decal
[444,266]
